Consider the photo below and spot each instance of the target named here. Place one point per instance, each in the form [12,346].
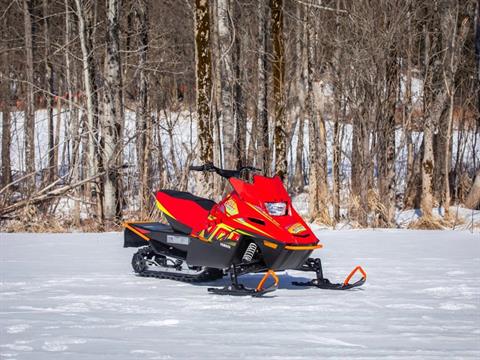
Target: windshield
[262,189]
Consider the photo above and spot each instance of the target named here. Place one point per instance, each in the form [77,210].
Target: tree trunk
[142,116]
[49,78]
[74,123]
[299,106]
[317,177]
[278,65]
[204,88]
[85,19]
[239,102]
[29,124]
[262,89]
[361,165]
[473,198]
[113,116]
[226,41]
[386,138]
[337,146]
[6,143]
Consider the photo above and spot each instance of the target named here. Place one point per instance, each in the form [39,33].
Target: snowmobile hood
[263,189]
[252,197]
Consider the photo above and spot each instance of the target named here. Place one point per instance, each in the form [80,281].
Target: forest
[363,108]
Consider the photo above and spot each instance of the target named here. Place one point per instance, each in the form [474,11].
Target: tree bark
[113,116]
[386,139]
[204,88]
[29,125]
[262,89]
[142,116]
[49,82]
[473,198]
[85,19]
[227,37]
[317,177]
[239,102]
[6,143]
[278,67]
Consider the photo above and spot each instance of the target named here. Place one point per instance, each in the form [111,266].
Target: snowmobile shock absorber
[248,255]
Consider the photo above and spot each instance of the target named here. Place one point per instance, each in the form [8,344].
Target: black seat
[206,204]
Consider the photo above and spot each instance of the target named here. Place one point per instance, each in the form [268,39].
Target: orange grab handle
[265,277]
[358,268]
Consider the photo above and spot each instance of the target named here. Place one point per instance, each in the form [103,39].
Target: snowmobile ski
[322,283]
[237,289]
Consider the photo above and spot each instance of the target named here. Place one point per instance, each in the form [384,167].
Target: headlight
[277,208]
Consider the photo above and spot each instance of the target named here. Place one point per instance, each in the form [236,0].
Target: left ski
[315,265]
[236,289]
[326,284]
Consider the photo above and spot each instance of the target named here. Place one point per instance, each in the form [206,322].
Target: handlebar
[223,172]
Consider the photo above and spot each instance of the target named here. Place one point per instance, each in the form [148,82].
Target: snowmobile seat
[185,212]
[207,204]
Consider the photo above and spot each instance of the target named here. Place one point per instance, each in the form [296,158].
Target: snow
[74,296]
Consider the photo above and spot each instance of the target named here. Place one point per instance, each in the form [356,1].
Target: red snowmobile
[253,229]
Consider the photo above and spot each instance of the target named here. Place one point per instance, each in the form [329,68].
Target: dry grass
[429,223]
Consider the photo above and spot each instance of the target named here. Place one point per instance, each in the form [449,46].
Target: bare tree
[278,73]
[49,80]
[84,10]
[30,104]
[204,86]
[144,126]
[262,87]
[113,116]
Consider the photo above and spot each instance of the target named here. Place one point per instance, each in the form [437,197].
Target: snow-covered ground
[73,296]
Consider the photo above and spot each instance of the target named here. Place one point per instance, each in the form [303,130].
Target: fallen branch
[39,198]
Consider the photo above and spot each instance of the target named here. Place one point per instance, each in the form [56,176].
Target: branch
[321,7]
[44,197]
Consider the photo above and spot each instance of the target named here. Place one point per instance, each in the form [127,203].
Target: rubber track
[205,276]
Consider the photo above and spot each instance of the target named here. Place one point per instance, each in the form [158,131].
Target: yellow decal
[243,222]
[231,207]
[296,228]
[162,209]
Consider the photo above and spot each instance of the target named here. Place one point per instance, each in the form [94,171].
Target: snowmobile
[254,229]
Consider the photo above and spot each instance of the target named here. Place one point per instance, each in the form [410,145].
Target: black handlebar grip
[196,168]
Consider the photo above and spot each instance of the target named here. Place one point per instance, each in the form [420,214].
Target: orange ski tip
[265,277]
[349,277]
[306,247]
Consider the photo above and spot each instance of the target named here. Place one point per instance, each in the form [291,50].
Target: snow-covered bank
[73,296]
[460,218]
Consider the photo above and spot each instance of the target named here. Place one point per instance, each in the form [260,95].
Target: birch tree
[84,12]
[226,39]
